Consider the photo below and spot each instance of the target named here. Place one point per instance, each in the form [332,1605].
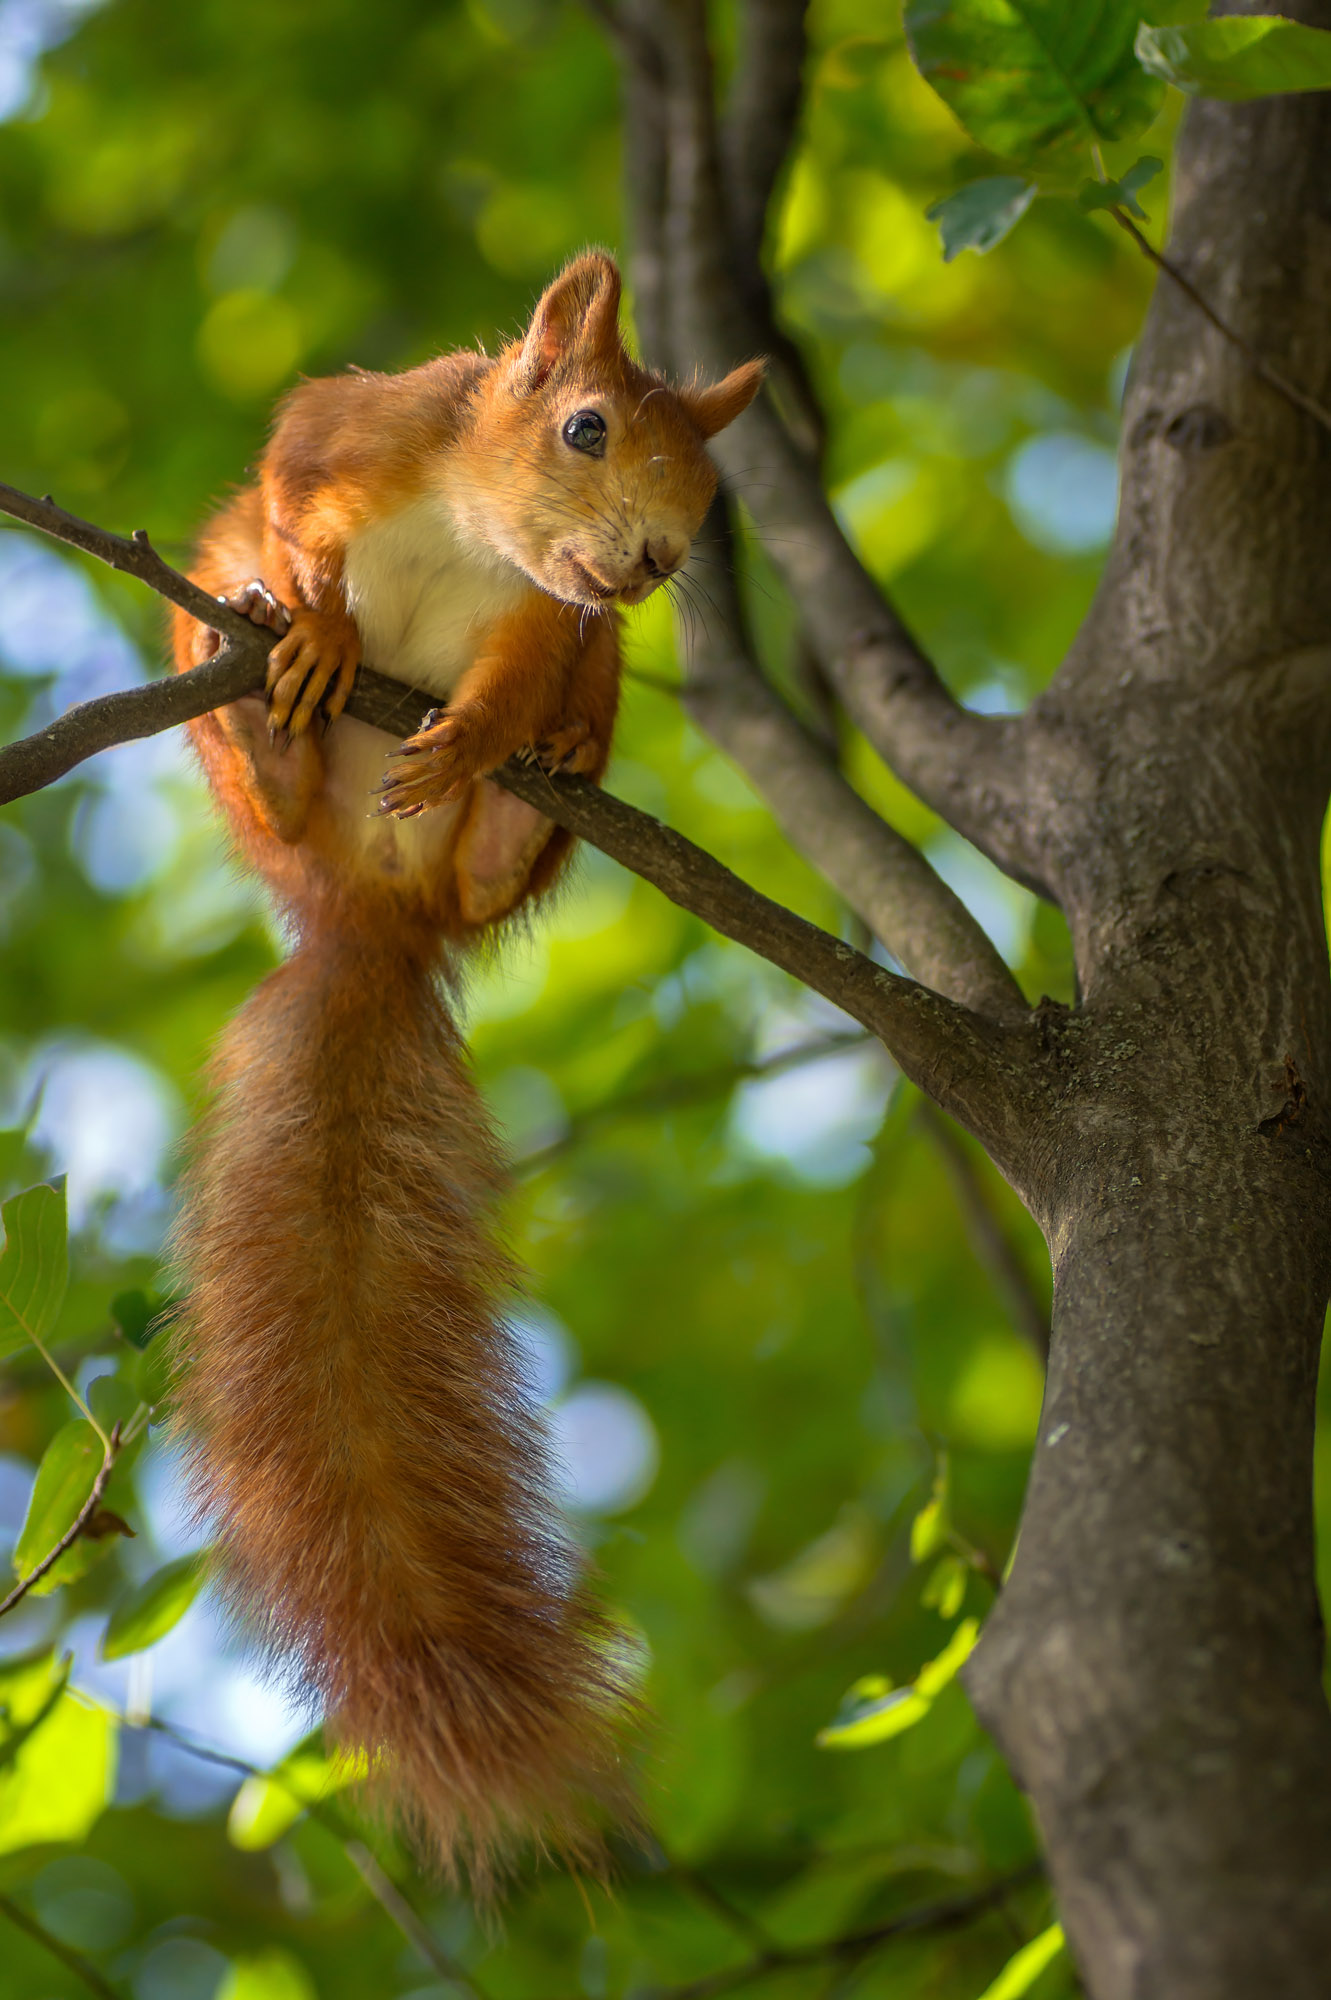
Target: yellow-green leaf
[34,1265]
[154,1607]
[872,1711]
[57,1785]
[1021,1972]
[1257,55]
[267,1805]
[1035,80]
[272,1974]
[945,1588]
[932,1526]
[64,1480]
[928,1531]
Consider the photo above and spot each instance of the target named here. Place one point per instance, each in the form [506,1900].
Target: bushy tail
[355,1427]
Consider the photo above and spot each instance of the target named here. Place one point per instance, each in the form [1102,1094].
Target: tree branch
[965,766]
[977,1068]
[755,139]
[881,876]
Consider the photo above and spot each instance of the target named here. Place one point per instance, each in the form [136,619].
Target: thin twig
[72,1960]
[683,1091]
[75,1529]
[381,1886]
[720,1905]
[947,1914]
[1255,360]
[390,1897]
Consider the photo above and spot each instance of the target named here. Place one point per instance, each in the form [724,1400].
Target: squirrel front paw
[572,748]
[312,667]
[446,753]
[254,600]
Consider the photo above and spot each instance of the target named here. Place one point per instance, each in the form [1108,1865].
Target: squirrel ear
[578,313]
[718,404]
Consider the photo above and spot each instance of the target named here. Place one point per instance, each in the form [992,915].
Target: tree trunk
[1153,1668]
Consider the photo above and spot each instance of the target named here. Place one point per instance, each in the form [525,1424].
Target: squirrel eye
[585,431]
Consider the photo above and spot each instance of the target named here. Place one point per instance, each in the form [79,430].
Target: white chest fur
[422,598]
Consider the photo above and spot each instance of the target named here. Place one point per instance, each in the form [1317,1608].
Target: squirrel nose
[662,555]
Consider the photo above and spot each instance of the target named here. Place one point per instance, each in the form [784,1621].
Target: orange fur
[356,1430]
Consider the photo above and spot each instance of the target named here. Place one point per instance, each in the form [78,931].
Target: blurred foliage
[793,1397]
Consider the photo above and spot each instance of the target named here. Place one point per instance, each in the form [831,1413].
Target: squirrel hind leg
[500,843]
[276,783]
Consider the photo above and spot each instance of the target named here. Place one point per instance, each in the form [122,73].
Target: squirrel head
[587,471]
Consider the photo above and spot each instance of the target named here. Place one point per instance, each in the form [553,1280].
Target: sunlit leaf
[1261,55]
[872,1711]
[931,1527]
[1036,80]
[13,1733]
[815,1584]
[154,1607]
[266,1806]
[61,1779]
[1122,193]
[980,215]
[1024,1967]
[273,1974]
[34,1265]
[65,1477]
[945,1587]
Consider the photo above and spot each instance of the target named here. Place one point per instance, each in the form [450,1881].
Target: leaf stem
[67,1540]
[69,1388]
[1255,360]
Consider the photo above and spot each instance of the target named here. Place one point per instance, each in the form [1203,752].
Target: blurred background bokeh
[770,1296]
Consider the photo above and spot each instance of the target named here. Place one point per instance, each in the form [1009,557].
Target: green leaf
[268,1804]
[1021,1971]
[154,1607]
[272,1974]
[1038,81]
[64,1480]
[874,1710]
[139,1315]
[1259,56]
[980,215]
[57,1785]
[945,1589]
[18,1733]
[1122,193]
[931,1527]
[34,1264]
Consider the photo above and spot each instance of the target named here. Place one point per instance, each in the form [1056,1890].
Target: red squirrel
[350,1399]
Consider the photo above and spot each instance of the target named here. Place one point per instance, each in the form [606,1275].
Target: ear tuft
[577,315]
[719,403]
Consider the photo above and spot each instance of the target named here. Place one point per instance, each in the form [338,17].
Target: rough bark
[1153,1668]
